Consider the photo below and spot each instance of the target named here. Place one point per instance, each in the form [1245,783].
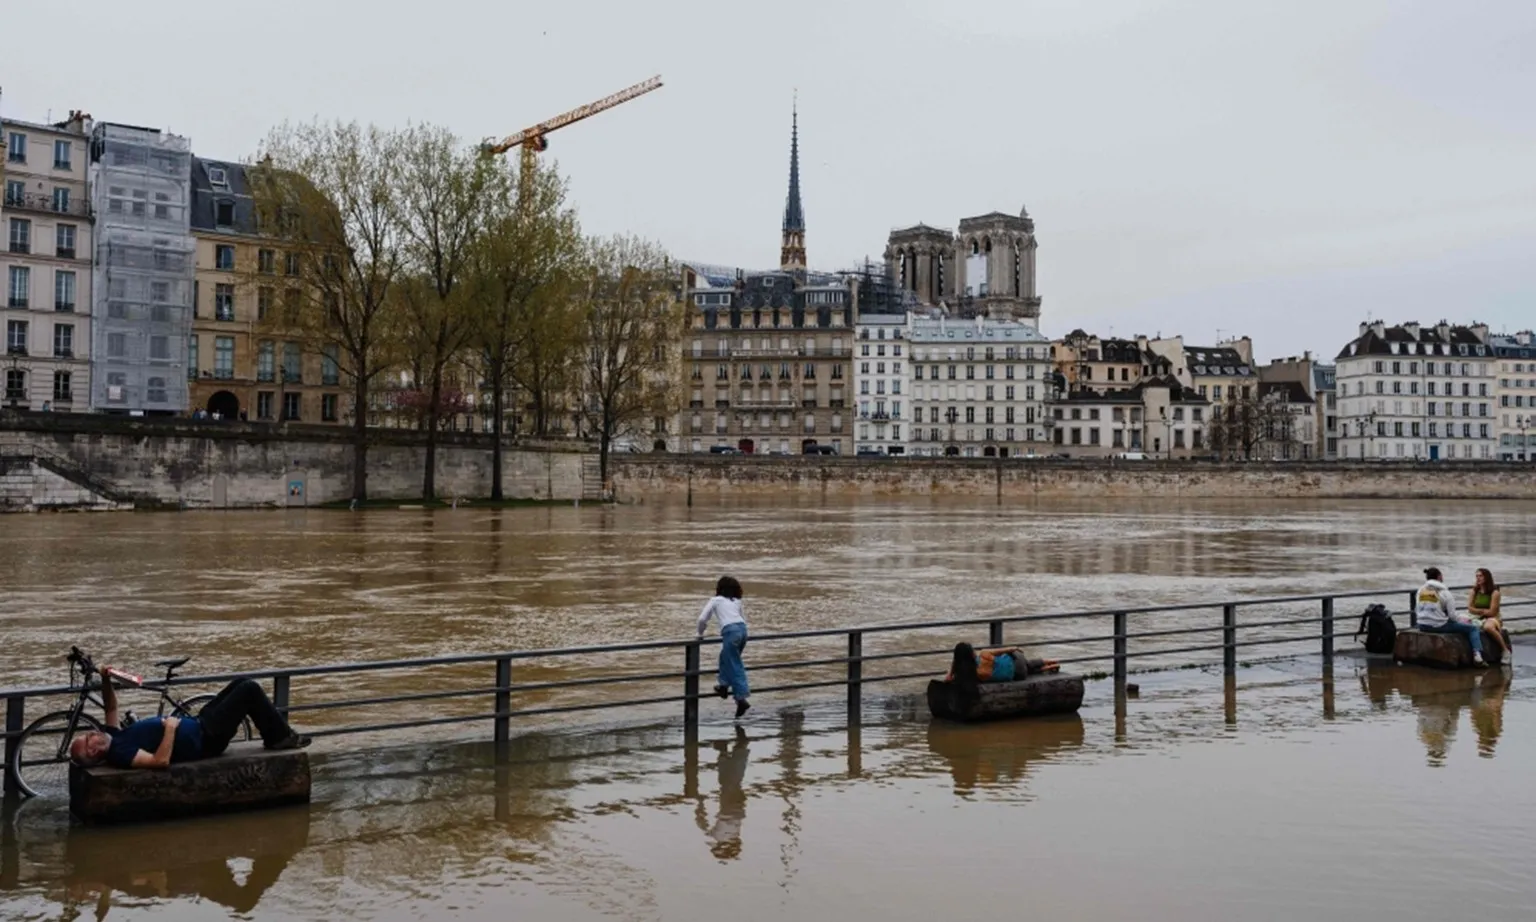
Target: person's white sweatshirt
[1435,606]
[726,611]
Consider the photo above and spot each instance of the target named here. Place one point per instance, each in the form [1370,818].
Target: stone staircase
[591,478]
[32,478]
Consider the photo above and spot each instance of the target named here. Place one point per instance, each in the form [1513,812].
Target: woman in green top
[1484,604]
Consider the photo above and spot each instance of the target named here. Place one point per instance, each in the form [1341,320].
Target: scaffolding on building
[141,185]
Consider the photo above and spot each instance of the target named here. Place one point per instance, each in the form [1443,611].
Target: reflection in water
[991,755]
[724,834]
[1438,697]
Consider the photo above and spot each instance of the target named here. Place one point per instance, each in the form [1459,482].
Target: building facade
[1286,422]
[141,316]
[239,365]
[881,376]
[1317,384]
[1156,417]
[1418,392]
[46,265]
[1516,393]
[979,387]
[1087,362]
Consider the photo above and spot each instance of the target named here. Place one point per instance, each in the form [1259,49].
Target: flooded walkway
[1371,792]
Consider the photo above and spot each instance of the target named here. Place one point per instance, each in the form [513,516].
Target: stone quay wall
[108,462]
[639,477]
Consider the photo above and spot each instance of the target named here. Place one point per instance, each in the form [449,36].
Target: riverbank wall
[51,461]
[641,477]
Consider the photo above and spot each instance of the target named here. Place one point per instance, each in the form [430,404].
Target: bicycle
[40,761]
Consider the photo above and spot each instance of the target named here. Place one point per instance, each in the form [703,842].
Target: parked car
[724,450]
[1131,456]
[820,450]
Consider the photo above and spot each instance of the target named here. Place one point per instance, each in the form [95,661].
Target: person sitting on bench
[1437,614]
[159,742]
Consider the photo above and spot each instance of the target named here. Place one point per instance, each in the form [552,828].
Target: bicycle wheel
[40,763]
[192,705]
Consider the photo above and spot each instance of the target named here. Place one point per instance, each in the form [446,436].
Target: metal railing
[1110,637]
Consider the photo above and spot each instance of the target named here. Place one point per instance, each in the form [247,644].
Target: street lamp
[1522,422]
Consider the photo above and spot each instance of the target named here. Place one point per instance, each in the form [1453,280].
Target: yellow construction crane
[532,140]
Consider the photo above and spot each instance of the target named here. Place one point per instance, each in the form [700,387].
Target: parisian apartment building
[1515,389]
[46,264]
[881,365]
[1419,392]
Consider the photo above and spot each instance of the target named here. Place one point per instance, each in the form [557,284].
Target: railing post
[15,709]
[503,720]
[691,684]
[1121,648]
[995,634]
[1413,609]
[1328,628]
[855,676]
[280,694]
[1229,639]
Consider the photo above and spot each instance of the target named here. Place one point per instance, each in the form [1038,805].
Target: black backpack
[1379,629]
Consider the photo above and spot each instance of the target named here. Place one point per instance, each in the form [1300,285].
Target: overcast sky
[1276,169]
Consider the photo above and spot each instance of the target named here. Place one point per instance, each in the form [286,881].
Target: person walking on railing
[1437,614]
[1483,604]
[726,608]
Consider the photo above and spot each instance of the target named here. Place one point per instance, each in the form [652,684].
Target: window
[266,369]
[63,291]
[16,337]
[155,392]
[224,213]
[224,257]
[15,384]
[61,199]
[191,352]
[330,368]
[21,235]
[223,302]
[328,407]
[159,349]
[291,366]
[63,391]
[291,406]
[218,177]
[264,405]
[61,155]
[64,340]
[263,303]
[15,192]
[266,261]
[224,357]
[16,152]
[20,286]
[291,265]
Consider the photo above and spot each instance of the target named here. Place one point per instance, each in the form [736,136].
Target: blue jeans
[1473,632]
[733,675]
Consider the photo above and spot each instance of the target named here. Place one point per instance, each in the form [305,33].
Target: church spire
[792,252]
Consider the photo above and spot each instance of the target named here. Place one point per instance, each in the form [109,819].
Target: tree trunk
[496,375]
[603,441]
[360,438]
[434,408]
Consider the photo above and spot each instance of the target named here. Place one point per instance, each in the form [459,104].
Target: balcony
[76,207]
[224,374]
[836,403]
[63,353]
[65,252]
[14,349]
[331,380]
[722,404]
[695,404]
[808,404]
[21,246]
[292,377]
[18,303]
[265,377]
[64,307]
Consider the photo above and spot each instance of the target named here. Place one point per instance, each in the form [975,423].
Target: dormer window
[224,213]
[218,177]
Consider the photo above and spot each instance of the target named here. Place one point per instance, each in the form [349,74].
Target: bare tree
[634,324]
[445,190]
[524,330]
[1240,427]
[327,193]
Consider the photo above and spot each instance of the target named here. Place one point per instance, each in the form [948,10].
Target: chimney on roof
[1443,330]
[1379,327]
[1523,338]
[1412,328]
[1363,327]
[1480,330]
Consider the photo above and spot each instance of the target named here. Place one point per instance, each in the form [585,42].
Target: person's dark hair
[1432,573]
[1490,585]
[728,588]
[966,679]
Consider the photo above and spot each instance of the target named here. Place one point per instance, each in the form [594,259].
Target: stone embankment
[50,461]
[639,477]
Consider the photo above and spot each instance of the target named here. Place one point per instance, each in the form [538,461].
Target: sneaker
[292,741]
[722,690]
[741,708]
[1477,660]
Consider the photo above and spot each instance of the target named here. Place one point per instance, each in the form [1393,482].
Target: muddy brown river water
[1363,792]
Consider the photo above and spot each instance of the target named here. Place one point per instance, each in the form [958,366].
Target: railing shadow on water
[540,688]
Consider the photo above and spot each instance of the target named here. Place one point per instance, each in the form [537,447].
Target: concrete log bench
[247,777]
[1052,693]
[1443,651]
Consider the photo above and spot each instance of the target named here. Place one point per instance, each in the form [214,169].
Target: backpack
[1379,629]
